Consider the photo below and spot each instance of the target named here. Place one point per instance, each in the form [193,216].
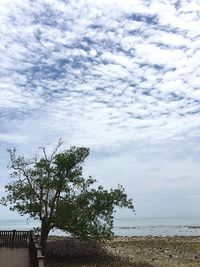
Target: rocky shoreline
[125,251]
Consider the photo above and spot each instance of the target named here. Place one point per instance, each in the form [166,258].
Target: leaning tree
[52,189]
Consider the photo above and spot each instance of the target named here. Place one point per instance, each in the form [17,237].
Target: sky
[120,77]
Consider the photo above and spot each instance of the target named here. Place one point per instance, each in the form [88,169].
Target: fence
[14,239]
[19,239]
[36,258]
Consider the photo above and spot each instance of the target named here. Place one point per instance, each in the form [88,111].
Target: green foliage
[52,189]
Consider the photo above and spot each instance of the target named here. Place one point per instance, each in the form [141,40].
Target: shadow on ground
[71,252]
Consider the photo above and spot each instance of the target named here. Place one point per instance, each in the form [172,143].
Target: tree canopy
[52,189]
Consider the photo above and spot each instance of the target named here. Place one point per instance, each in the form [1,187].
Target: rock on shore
[125,251]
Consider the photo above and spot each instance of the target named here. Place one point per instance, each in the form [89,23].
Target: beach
[145,251]
[144,242]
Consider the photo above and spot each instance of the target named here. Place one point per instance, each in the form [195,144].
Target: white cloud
[99,73]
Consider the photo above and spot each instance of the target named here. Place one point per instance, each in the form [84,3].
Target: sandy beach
[125,251]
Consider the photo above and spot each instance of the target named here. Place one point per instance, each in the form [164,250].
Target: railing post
[13,238]
[40,261]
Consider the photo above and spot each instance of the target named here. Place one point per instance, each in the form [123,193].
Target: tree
[51,189]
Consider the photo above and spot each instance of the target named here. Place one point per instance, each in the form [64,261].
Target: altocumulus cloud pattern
[100,72]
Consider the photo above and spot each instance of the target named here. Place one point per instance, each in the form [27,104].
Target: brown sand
[125,251]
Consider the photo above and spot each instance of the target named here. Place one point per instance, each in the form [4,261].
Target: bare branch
[60,143]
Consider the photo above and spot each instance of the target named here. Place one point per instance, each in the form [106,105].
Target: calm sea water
[157,227]
[128,227]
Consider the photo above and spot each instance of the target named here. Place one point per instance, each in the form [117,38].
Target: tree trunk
[44,235]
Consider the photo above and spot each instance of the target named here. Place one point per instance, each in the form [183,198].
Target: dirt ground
[125,251]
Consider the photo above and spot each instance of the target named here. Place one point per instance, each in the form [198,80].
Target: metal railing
[25,239]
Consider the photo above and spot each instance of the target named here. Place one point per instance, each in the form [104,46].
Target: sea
[170,226]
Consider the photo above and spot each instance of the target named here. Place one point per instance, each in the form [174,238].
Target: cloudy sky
[121,77]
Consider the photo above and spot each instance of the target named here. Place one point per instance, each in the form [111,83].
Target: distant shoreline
[127,227]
